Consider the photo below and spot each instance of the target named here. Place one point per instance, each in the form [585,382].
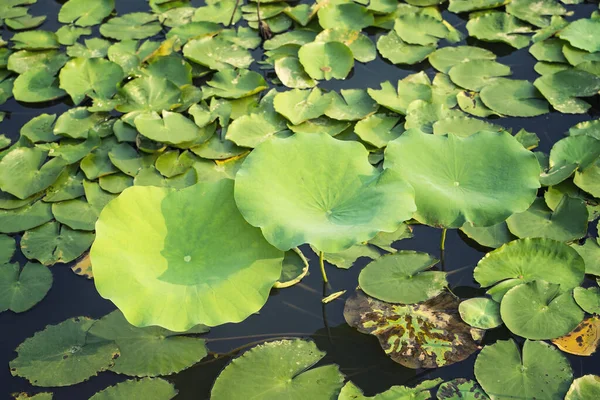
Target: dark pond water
[296,311]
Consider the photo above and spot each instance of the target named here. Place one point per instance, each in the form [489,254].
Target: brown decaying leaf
[83,267]
[583,340]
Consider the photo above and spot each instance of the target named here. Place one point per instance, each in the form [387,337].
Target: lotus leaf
[77,122]
[60,355]
[279,371]
[291,73]
[470,102]
[393,48]
[463,126]
[585,387]
[81,214]
[345,259]
[148,351]
[95,77]
[149,94]
[476,74]
[7,248]
[583,34]
[326,60]
[23,288]
[536,12]
[172,128]
[24,172]
[515,98]
[149,388]
[351,105]
[115,183]
[420,392]
[232,84]
[35,40]
[459,6]
[562,88]
[217,53]
[137,25]
[422,115]
[447,57]
[82,13]
[461,388]
[530,259]
[301,105]
[583,340]
[413,87]
[402,277]
[541,372]
[529,140]
[421,29]
[447,196]
[219,11]
[251,129]
[362,47]
[549,50]
[26,217]
[426,335]
[322,124]
[588,299]
[36,85]
[480,312]
[39,129]
[379,129]
[337,203]
[52,243]
[252,265]
[344,15]
[499,27]
[490,236]
[539,310]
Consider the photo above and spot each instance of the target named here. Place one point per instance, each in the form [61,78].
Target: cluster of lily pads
[194,171]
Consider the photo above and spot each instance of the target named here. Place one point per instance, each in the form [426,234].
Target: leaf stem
[322,265]
[443,241]
[237,4]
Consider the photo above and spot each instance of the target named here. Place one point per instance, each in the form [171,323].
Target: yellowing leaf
[583,340]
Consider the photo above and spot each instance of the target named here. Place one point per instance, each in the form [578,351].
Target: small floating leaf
[588,299]
[84,13]
[21,289]
[7,248]
[147,388]
[53,243]
[461,388]
[420,392]
[480,312]
[583,34]
[585,387]
[326,60]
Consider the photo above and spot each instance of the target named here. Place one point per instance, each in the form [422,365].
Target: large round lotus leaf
[312,188]
[526,260]
[475,74]
[562,88]
[7,248]
[21,289]
[461,389]
[149,351]
[538,310]
[326,60]
[541,372]
[460,180]
[583,34]
[588,299]
[499,27]
[447,57]
[52,243]
[84,13]
[425,335]
[420,392]
[147,388]
[584,388]
[393,48]
[514,98]
[480,312]
[60,355]
[279,371]
[24,171]
[402,277]
[567,222]
[182,252]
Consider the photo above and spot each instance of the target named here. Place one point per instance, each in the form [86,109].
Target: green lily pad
[21,289]
[530,259]
[217,53]
[568,221]
[500,27]
[583,34]
[35,40]
[24,172]
[137,25]
[148,351]
[379,129]
[418,158]
[515,98]
[326,60]
[459,6]
[420,392]
[345,259]
[397,51]
[94,77]
[413,87]
[7,248]
[148,94]
[40,129]
[480,312]
[82,214]
[329,205]
[362,47]
[219,11]
[588,299]
[585,387]
[489,236]
[461,388]
[422,115]
[476,74]
[84,13]
[563,88]
[291,73]
[60,355]
[421,29]
[402,277]
[346,15]
[549,50]
[115,183]
[536,12]
[250,264]
[539,310]
[301,105]
[26,217]
[279,370]
[470,102]
[426,335]
[52,243]
[231,84]
[37,85]
[541,372]
[447,57]
[351,105]
[172,128]
[148,388]
[463,126]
